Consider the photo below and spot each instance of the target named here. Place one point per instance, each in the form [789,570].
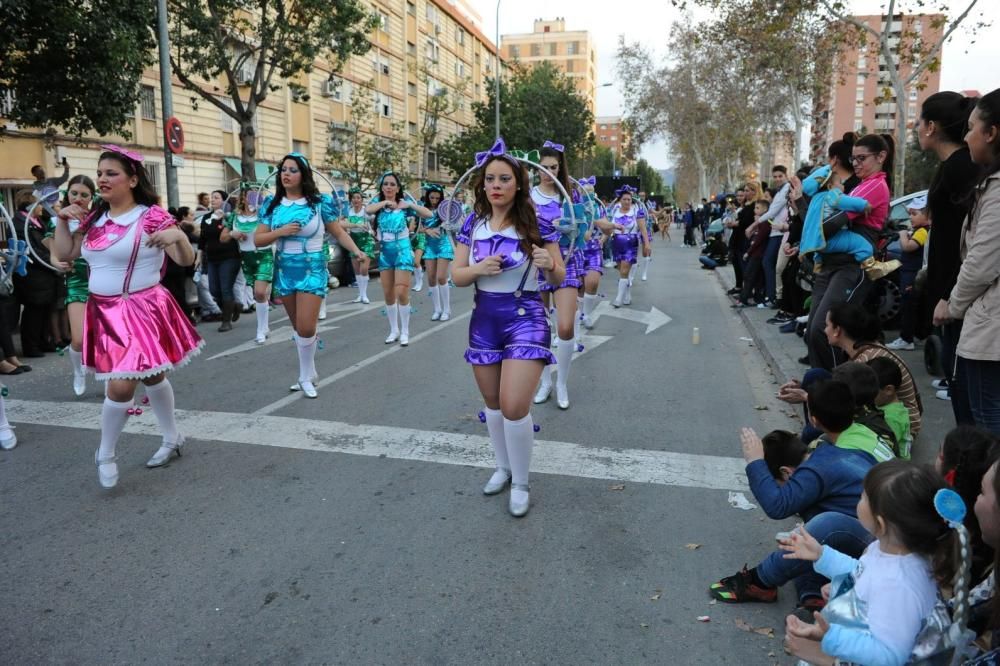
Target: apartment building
[572,52]
[419,48]
[610,133]
[862,75]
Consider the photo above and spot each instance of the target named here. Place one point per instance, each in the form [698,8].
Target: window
[861,79]
[383,105]
[553,49]
[411,88]
[913,94]
[572,48]
[383,21]
[300,147]
[911,110]
[459,68]
[226,120]
[431,13]
[859,110]
[432,160]
[411,9]
[859,94]
[411,49]
[515,51]
[862,62]
[460,36]
[536,50]
[6,103]
[412,126]
[604,127]
[569,65]
[148,100]
[153,170]
[604,137]
[432,50]
[381,64]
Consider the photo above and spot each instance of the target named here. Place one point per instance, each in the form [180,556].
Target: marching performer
[499,249]
[257,262]
[360,228]
[395,260]
[593,254]
[418,243]
[439,254]
[629,231]
[297,217]
[548,202]
[133,330]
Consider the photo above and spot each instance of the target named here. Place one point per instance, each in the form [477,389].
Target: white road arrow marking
[653,319]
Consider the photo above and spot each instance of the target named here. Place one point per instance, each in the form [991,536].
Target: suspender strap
[135,254]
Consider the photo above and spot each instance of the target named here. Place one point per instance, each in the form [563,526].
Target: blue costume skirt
[396,255]
[304,273]
[574,272]
[439,248]
[505,326]
[625,247]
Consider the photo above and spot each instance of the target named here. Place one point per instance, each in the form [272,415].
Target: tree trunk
[899,177]
[799,124]
[248,151]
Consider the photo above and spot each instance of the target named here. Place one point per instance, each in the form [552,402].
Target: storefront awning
[261,169]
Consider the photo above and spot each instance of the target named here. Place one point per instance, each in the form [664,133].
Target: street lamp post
[496,74]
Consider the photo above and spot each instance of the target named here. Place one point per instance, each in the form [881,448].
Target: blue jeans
[770,267]
[844,533]
[982,383]
[955,373]
[221,278]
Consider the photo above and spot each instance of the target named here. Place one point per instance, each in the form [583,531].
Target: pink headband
[128,154]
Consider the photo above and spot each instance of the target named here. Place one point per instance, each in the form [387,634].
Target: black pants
[753,272]
[845,284]
[792,296]
[34,320]
[175,283]
[8,315]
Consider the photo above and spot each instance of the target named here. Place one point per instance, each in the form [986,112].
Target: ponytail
[842,149]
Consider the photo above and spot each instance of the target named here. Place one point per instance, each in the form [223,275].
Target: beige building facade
[418,48]
[610,133]
[572,52]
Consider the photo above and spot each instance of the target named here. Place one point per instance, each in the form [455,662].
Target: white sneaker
[628,296]
[418,287]
[404,339]
[940,383]
[79,383]
[308,389]
[943,395]
[260,339]
[357,300]
[445,316]
[365,300]
[435,316]
[10,441]
[899,344]
[392,338]
[322,314]
[543,392]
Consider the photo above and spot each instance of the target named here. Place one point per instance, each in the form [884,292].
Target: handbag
[835,223]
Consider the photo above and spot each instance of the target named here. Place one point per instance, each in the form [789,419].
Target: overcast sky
[965,65]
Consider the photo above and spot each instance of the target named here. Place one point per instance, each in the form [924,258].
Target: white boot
[622,287]
[79,375]
[404,325]
[436,300]
[545,386]
[628,294]
[589,303]
[262,326]
[631,273]
[363,288]
[392,312]
[445,294]
[322,309]
[646,261]
[564,358]
[418,278]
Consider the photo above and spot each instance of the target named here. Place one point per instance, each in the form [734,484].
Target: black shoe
[781,318]
[734,291]
[33,353]
[788,327]
[804,360]
[804,611]
[739,305]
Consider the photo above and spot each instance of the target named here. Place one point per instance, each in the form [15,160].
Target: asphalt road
[352,529]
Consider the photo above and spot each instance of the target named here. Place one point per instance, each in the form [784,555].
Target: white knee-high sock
[494,424]
[577,324]
[404,319]
[622,286]
[589,303]
[645,265]
[392,312]
[307,357]
[445,298]
[161,399]
[5,428]
[631,271]
[262,326]
[564,357]
[77,359]
[418,276]
[520,438]
[362,281]
[435,298]
[113,418]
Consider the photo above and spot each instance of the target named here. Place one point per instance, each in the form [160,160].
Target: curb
[751,327]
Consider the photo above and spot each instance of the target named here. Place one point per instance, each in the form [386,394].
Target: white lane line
[360,365]
[550,457]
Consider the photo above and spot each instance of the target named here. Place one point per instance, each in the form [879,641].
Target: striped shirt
[906,393]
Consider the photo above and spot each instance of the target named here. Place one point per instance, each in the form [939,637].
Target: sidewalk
[782,351]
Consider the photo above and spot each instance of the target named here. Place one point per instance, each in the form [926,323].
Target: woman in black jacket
[35,292]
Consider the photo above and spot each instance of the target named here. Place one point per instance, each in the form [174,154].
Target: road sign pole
[167,102]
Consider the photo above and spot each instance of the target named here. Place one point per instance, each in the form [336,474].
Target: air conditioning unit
[330,87]
[244,77]
[437,29]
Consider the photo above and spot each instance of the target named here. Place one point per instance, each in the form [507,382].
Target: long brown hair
[523,211]
[563,175]
[144,193]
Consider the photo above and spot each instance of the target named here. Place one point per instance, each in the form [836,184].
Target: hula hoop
[15,253]
[453,209]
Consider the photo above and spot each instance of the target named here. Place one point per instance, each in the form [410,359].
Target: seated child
[879,603]
[831,199]
[863,383]
[896,413]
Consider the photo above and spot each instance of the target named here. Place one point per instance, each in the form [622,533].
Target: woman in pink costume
[133,330]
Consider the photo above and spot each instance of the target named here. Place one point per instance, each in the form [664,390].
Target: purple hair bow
[499,148]
[592,181]
[554,146]
[625,189]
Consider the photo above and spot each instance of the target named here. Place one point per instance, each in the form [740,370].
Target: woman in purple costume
[548,200]
[499,249]
[629,232]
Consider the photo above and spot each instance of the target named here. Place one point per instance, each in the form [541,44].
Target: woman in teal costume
[361,233]
[395,260]
[296,218]
[438,255]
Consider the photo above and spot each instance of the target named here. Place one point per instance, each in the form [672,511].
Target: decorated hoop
[333,190]
[453,214]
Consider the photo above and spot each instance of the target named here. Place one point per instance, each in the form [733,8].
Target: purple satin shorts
[505,326]
[625,247]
